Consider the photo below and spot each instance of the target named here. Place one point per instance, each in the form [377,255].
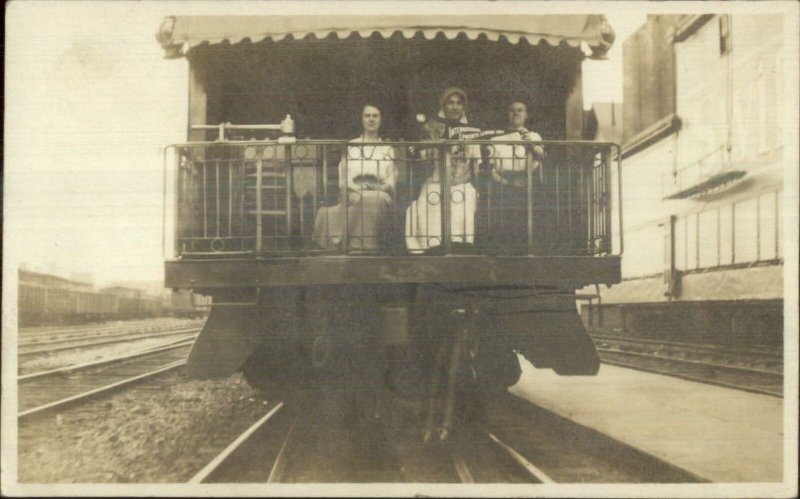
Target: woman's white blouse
[370,160]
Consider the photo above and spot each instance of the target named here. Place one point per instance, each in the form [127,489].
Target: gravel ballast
[163,431]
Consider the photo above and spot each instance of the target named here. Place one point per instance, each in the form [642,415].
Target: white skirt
[424,216]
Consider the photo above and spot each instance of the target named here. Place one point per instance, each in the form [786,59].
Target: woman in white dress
[367,178]
[423,219]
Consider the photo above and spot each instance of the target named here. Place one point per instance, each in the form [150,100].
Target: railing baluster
[230,199]
[558,205]
[276,205]
[502,206]
[529,168]
[598,172]
[345,197]
[242,198]
[607,200]
[569,198]
[302,215]
[592,194]
[324,172]
[586,218]
[489,205]
[217,198]
[205,200]
[178,230]
[259,169]
[444,199]
[314,198]
[289,187]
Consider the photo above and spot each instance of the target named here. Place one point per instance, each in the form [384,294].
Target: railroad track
[516,443]
[279,448]
[730,368]
[752,353]
[567,452]
[25,350]
[46,392]
[63,332]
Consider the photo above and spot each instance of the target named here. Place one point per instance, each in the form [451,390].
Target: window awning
[179,34]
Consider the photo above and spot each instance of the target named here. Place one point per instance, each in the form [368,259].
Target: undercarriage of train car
[428,291]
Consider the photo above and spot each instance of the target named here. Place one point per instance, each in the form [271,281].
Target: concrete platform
[719,434]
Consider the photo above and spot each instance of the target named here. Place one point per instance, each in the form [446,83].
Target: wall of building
[727,101]
[724,244]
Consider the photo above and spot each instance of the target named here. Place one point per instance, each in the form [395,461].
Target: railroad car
[437,304]
[55,305]
[94,306]
[31,302]
[61,304]
[184,303]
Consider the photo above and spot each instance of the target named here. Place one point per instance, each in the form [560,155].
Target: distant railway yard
[111,403]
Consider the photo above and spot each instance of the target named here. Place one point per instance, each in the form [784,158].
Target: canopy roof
[178,35]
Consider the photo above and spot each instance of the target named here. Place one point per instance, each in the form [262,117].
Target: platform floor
[719,434]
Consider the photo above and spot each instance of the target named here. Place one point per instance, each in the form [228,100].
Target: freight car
[184,303]
[40,305]
[436,311]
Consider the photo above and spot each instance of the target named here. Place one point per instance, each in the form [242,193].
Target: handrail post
[444,198]
[176,230]
[529,168]
[289,188]
[607,241]
[619,198]
[345,196]
[591,200]
[259,170]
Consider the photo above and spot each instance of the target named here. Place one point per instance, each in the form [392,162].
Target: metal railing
[312,197]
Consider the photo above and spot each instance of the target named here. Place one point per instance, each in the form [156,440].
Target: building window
[743,232]
[671,274]
[779,222]
[708,243]
[726,235]
[768,226]
[691,242]
[745,229]
[680,243]
[724,34]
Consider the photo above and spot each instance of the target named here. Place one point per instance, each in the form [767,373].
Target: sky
[90,104]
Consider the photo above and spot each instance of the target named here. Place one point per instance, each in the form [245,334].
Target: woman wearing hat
[423,216]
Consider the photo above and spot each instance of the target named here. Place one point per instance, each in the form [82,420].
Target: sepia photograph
[400,249]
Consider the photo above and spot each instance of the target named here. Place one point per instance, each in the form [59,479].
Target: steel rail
[183,342]
[91,394]
[42,348]
[279,465]
[462,469]
[529,467]
[698,379]
[696,363]
[100,335]
[691,346]
[223,456]
[573,452]
[65,331]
